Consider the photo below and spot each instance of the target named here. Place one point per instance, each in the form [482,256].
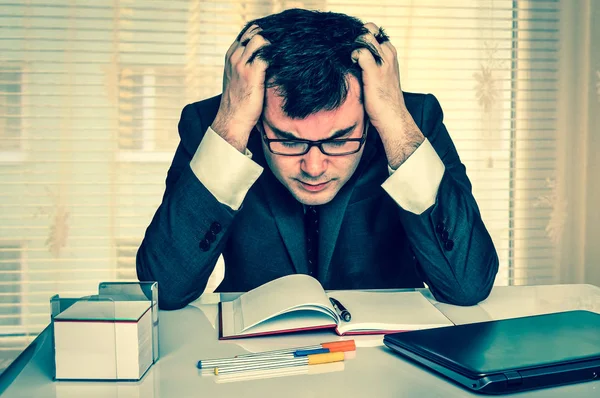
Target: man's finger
[388,44]
[377,32]
[389,50]
[371,27]
[236,55]
[369,39]
[364,58]
[248,34]
[231,49]
[244,32]
[253,45]
[258,63]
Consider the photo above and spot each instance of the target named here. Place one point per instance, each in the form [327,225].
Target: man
[314,161]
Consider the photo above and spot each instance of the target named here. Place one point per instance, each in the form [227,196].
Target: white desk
[189,334]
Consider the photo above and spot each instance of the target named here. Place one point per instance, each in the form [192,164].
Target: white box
[103,340]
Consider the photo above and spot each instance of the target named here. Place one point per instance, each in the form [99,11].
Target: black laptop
[506,356]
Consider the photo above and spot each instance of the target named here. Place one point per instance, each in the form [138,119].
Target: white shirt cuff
[223,170]
[414,185]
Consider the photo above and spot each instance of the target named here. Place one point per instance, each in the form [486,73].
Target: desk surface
[189,334]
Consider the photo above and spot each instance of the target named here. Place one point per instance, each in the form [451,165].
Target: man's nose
[314,162]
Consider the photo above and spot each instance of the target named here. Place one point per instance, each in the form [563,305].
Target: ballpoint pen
[292,362]
[341,310]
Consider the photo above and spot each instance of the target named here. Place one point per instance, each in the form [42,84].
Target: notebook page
[388,311]
[280,295]
[300,319]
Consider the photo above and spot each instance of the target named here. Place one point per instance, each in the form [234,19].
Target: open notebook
[298,302]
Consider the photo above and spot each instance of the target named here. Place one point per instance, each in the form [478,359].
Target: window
[126,251]
[493,66]
[11,289]
[150,101]
[10,113]
[92,93]
[13,336]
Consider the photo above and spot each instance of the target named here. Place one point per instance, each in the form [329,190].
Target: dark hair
[309,57]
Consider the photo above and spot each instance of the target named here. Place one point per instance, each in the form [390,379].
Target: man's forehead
[274,103]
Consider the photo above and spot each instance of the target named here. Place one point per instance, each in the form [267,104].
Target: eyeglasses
[331,147]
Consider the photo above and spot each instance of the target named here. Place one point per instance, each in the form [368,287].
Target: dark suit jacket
[366,239]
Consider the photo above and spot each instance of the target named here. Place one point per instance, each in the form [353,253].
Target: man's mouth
[314,187]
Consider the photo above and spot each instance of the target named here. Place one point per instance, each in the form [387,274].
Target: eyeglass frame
[318,143]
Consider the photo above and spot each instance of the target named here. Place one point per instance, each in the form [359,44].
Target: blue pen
[302,353]
[267,357]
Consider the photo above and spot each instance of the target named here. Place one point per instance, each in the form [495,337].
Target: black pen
[341,310]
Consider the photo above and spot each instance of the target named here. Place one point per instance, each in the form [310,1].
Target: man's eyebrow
[289,136]
[283,134]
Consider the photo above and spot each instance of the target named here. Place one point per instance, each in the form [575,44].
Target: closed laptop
[511,355]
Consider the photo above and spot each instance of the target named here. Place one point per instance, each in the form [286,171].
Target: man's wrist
[401,139]
[237,137]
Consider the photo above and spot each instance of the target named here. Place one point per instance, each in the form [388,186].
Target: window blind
[91,92]
[493,66]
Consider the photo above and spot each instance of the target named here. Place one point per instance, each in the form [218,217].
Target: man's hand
[384,101]
[243,90]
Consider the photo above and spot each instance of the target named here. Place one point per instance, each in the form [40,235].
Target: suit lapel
[288,214]
[331,216]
